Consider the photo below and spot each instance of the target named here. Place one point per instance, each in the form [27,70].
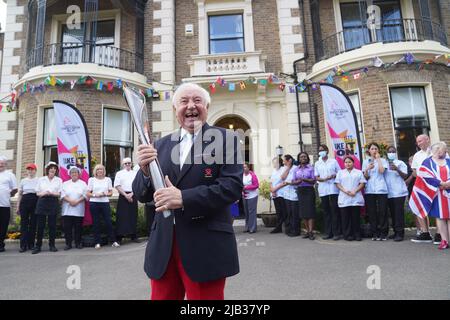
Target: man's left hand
[168,198]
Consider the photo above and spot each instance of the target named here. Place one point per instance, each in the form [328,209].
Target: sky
[2,14]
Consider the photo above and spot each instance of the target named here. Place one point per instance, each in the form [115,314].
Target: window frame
[44,145]
[103,145]
[218,14]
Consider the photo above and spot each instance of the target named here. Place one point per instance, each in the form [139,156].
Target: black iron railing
[395,30]
[85,52]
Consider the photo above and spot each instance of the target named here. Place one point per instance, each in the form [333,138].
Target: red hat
[31,166]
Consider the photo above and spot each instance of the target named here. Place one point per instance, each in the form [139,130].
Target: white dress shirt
[186,141]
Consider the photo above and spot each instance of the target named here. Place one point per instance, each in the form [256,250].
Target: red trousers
[175,283]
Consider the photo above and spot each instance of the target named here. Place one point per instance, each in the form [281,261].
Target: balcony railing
[395,30]
[227,64]
[74,53]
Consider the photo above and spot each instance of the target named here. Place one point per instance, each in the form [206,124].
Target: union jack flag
[426,197]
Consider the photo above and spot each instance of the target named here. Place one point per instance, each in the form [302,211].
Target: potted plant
[269,219]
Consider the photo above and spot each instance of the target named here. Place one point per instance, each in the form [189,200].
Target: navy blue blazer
[203,227]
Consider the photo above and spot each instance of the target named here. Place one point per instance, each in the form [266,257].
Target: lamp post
[279,152]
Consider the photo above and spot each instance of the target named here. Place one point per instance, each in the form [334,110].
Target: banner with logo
[73,145]
[342,124]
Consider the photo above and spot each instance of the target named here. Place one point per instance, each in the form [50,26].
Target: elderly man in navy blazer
[192,252]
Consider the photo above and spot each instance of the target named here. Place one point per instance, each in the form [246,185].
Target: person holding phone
[376,192]
[397,191]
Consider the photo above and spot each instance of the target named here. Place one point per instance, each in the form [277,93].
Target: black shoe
[398,238]
[349,239]
[305,236]
[328,237]
[311,236]
[36,250]
[424,237]
[79,246]
[2,249]
[53,249]
[293,234]
[336,238]
[392,236]
[437,239]
[276,230]
[23,249]
[252,232]
[358,238]
[67,247]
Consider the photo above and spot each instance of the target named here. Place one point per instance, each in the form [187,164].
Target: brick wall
[186,13]
[88,100]
[374,97]
[266,33]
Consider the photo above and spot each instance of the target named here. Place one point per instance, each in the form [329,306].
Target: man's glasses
[127,163]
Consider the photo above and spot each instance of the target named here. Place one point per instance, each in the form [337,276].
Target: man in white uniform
[8,188]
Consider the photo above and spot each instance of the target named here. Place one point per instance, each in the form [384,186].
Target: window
[354,98]
[354,23]
[226,34]
[410,114]
[49,139]
[117,139]
[103,52]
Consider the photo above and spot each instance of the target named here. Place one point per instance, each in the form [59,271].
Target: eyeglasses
[127,163]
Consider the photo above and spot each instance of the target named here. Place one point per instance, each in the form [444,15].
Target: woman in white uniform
[48,190]
[290,198]
[276,188]
[27,201]
[397,191]
[74,195]
[376,194]
[350,182]
[99,189]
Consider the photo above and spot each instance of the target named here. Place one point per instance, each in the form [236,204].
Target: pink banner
[73,145]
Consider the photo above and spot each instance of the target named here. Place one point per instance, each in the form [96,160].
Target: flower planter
[269,219]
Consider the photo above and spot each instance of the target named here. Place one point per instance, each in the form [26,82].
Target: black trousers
[376,205]
[351,222]
[397,210]
[28,220]
[280,208]
[42,220]
[331,215]
[72,229]
[5,215]
[293,217]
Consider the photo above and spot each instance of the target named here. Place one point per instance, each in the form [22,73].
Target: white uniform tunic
[350,181]
[290,192]
[8,183]
[275,179]
[395,183]
[74,191]
[44,184]
[124,179]
[324,169]
[376,184]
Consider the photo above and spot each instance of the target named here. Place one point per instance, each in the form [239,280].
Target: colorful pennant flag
[231,86]
[99,85]
[212,88]
[242,85]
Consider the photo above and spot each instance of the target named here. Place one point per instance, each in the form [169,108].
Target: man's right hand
[146,154]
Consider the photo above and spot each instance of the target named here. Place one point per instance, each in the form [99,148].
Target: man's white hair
[190,86]
[125,160]
[3,158]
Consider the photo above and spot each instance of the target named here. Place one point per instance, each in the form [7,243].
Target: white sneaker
[98,246]
[115,245]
